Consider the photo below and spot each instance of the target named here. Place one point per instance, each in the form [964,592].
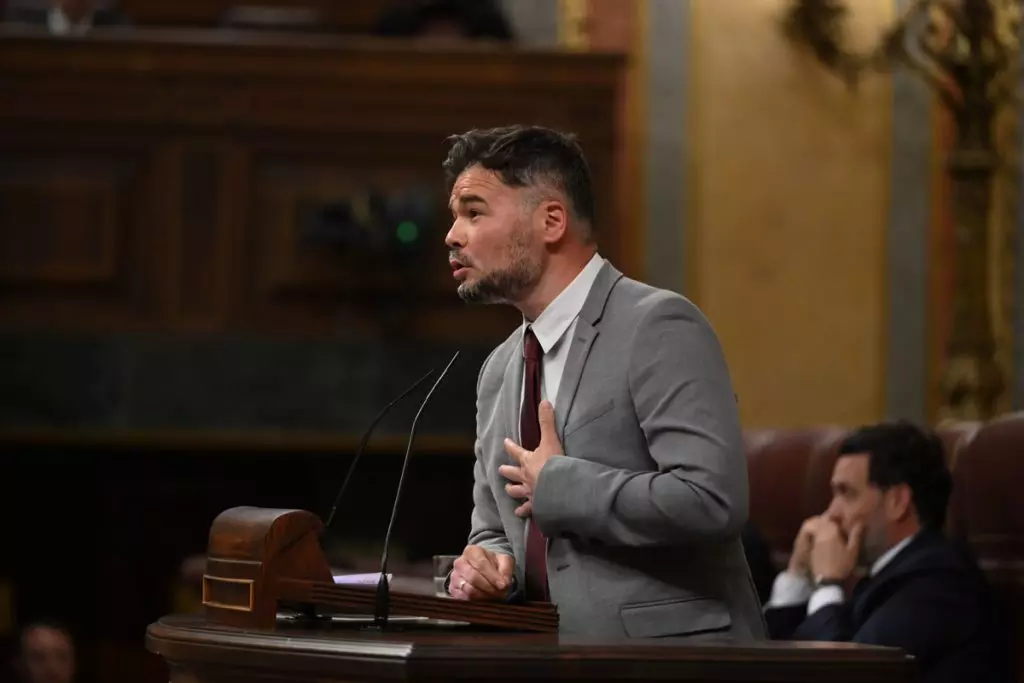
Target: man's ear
[555,219]
[899,502]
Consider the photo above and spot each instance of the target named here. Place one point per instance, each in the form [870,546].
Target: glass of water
[442,565]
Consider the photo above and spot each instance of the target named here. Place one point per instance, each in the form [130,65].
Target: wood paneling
[66,215]
[177,172]
[75,229]
[289,259]
[344,16]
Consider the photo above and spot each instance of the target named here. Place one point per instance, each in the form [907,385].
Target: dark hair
[523,156]
[902,453]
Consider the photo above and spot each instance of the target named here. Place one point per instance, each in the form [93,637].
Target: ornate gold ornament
[968,52]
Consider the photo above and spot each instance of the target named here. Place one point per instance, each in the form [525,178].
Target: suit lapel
[582,341]
[579,349]
[511,395]
[511,398]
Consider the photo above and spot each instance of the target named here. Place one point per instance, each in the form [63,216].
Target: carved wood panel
[63,219]
[219,169]
[77,233]
[295,253]
[201,204]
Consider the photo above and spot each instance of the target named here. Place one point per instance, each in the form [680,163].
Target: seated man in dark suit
[890,489]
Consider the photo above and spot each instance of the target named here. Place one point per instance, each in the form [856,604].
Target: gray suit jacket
[644,511]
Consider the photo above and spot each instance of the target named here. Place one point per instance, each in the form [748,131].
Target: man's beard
[509,284]
[872,544]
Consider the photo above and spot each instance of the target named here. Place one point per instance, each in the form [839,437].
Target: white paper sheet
[359,579]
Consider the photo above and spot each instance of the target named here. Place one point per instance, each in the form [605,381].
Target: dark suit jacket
[930,600]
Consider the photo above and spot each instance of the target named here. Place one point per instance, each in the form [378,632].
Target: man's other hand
[523,478]
[834,556]
[800,559]
[480,574]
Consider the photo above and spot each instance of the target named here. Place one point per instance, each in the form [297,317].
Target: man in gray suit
[610,476]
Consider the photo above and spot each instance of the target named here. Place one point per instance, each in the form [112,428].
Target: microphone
[366,439]
[380,617]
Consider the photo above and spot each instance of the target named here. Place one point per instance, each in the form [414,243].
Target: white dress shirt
[795,589]
[554,327]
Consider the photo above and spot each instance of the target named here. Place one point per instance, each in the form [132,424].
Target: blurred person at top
[444,20]
[65,17]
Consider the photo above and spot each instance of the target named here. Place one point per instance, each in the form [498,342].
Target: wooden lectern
[273,612]
[261,560]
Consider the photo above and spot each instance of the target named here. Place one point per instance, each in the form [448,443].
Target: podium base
[199,652]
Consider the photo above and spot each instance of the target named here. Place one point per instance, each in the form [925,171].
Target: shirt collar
[889,554]
[552,323]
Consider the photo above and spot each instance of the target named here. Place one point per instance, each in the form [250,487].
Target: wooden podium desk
[199,652]
[265,563]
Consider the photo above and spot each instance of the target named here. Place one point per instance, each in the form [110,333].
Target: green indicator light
[407,232]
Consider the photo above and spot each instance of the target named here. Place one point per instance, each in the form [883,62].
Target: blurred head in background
[46,654]
[445,19]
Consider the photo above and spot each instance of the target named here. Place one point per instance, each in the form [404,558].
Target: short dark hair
[523,156]
[903,453]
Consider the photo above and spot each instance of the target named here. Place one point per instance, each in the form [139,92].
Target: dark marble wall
[96,534]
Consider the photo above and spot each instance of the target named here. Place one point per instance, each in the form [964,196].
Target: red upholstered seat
[789,473]
[990,477]
[955,435]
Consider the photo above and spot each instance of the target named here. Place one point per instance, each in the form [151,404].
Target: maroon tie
[529,434]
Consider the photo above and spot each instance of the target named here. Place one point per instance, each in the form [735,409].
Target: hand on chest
[593,423]
[586,381]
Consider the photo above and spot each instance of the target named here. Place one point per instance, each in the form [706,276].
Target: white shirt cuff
[826,595]
[790,589]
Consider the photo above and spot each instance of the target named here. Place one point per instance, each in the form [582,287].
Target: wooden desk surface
[199,652]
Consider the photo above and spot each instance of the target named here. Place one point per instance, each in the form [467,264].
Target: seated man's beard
[872,546]
[502,286]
